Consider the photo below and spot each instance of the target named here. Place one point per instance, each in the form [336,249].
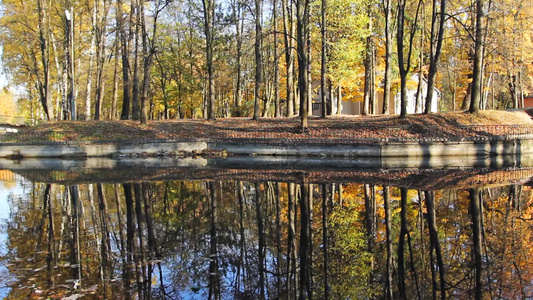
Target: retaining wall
[411,149]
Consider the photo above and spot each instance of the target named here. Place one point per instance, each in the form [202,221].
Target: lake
[264,228]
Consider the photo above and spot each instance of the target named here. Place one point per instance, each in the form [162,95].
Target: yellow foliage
[7,107]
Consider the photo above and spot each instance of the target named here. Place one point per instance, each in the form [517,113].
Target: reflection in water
[269,240]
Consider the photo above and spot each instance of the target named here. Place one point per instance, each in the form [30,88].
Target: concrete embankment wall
[411,149]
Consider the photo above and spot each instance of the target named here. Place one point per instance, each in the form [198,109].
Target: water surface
[198,232]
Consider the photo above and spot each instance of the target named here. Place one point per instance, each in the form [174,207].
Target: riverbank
[455,133]
[441,125]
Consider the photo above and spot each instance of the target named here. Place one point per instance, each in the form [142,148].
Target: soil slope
[451,125]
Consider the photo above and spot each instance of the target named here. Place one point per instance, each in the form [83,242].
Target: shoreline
[490,133]
[494,146]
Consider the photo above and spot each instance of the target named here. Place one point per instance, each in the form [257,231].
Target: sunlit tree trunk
[388,56]
[114,100]
[289,33]
[239,15]
[91,58]
[436,38]
[149,49]
[405,62]
[71,77]
[339,99]
[100,57]
[368,63]
[135,107]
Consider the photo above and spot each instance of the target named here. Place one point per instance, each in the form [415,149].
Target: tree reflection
[475,213]
[266,240]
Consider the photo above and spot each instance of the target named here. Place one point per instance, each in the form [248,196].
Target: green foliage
[351,271]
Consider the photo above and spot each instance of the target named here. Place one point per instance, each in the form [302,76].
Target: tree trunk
[475,213]
[323,67]
[370,215]
[214,279]
[388,232]
[261,246]
[91,59]
[478,58]
[130,226]
[114,100]
[237,11]
[148,57]
[325,201]
[302,19]
[278,239]
[257,48]
[368,64]
[44,85]
[277,111]
[291,241]
[209,16]
[405,62]
[434,239]
[304,251]
[135,107]
[388,56]
[125,48]
[100,59]
[434,53]
[401,244]
[289,30]
[70,63]
[339,99]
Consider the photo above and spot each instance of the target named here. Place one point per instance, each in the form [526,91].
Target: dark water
[262,233]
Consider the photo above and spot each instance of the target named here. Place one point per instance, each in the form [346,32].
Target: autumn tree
[302,28]
[257,52]
[387,10]
[404,58]
[436,40]
[209,30]
[479,37]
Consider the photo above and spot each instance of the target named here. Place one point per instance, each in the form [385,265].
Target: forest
[164,59]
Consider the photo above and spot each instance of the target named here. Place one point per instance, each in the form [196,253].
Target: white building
[356,107]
